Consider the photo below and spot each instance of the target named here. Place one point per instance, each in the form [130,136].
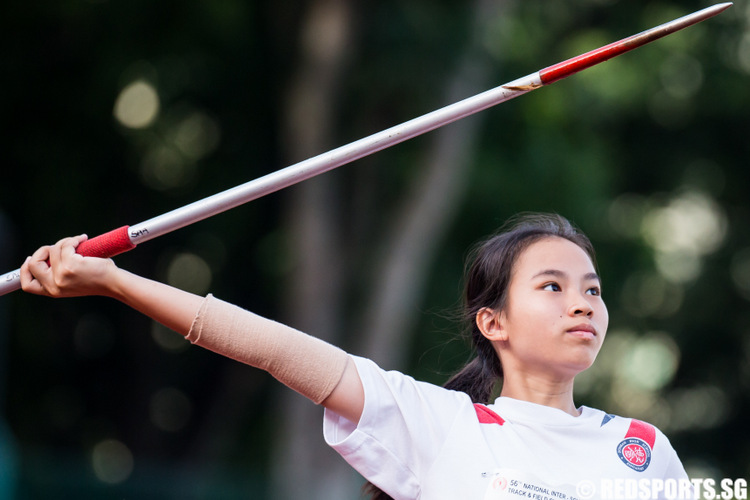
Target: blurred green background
[115,112]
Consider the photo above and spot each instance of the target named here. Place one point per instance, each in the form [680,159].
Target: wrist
[115,284]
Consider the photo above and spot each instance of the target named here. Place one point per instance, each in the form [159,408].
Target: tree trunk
[427,210]
[304,466]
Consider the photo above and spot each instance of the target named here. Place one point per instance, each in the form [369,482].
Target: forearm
[170,306]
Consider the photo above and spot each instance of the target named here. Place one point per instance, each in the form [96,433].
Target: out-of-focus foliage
[115,112]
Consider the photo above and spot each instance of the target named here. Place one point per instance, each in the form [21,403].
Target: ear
[490,323]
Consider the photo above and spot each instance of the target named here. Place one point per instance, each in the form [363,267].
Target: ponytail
[478,379]
[375,493]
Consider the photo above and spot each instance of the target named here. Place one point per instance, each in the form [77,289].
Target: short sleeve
[403,427]
[674,468]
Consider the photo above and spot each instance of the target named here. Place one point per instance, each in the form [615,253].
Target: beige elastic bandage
[304,363]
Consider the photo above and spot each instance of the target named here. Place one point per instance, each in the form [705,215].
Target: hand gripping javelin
[127,237]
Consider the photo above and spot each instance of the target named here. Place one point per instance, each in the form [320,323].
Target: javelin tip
[573,65]
[716,9]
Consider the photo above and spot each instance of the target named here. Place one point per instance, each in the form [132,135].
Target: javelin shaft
[126,238]
[327,161]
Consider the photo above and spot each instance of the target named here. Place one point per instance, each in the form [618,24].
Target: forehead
[554,253]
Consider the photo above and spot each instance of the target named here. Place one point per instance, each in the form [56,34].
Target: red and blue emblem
[635,453]
[635,449]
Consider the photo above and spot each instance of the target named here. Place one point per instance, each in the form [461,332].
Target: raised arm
[318,370]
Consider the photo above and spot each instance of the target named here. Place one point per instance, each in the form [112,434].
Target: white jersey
[420,441]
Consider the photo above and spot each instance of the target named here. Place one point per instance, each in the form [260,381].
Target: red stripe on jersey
[642,430]
[487,416]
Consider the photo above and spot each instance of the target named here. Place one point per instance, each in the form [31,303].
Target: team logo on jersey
[635,453]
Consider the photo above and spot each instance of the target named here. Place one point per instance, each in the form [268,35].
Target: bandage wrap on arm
[304,363]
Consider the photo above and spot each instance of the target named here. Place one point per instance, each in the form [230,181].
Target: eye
[552,287]
[594,290]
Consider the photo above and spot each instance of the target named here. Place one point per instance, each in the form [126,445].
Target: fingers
[62,251]
[35,272]
[68,246]
[28,281]
[47,270]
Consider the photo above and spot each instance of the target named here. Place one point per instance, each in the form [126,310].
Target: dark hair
[487,277]
[486,285]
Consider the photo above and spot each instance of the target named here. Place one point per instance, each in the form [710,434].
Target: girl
[533,300]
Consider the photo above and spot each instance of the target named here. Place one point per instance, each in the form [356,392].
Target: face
[555,319]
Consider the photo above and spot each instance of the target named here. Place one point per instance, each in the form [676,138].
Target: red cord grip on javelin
[107,245]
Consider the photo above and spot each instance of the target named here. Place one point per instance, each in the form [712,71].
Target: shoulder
[625,430]
[381,384]
[639,445]
[633,427]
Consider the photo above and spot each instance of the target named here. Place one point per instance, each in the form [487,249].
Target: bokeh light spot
[189,272]
[649,294]
[740,272]
[170,409]
[651,362]
[701,407]
[163,167]
[743,53]
[167,339]
[688,227]
[691,222]
[626,212]
[669,111]
[681,75]
[137,106]
[112,461]
[197,135]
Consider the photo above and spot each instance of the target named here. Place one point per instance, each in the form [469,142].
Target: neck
[555,392]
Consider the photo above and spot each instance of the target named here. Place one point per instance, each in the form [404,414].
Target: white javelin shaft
[312,167]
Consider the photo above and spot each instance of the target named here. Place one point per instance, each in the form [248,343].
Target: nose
[581,307]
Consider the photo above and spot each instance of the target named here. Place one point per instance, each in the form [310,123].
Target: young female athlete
[533,300]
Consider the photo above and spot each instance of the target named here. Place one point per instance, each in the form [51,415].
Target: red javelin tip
[574,65]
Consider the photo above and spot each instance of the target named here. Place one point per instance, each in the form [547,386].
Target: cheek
[531,306]
[531,324]
[604,317]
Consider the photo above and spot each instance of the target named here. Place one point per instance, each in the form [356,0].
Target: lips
[584,330]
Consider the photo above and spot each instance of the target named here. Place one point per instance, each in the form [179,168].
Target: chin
[580,366]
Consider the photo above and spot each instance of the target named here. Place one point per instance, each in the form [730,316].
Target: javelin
[126,238]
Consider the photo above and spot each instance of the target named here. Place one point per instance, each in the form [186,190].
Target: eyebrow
[561,274]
